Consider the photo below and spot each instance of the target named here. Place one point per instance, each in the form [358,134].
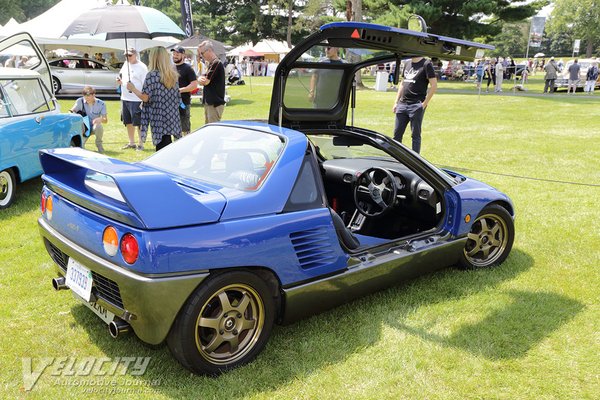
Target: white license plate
[79,279]
[100,311]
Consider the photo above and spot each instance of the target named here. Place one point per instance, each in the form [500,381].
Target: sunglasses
[88,93]
[129,55]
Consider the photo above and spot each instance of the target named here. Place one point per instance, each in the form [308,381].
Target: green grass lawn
[529,329]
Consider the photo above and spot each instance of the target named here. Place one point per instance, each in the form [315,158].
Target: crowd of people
[157,97]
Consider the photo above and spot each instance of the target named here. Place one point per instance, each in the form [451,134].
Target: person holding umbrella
[213,95]
[161,98]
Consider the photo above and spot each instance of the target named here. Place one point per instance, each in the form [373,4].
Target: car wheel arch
[56,84]
[504,204]
[266,274]
[178,339]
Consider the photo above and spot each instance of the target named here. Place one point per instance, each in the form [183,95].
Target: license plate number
[79,279]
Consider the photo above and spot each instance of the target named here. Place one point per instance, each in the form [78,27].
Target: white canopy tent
[53,22]
[48,27]
[272,50]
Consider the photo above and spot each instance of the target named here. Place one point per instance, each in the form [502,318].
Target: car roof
[387,44]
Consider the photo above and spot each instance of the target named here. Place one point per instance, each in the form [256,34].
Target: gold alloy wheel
[230,324]
[486,241]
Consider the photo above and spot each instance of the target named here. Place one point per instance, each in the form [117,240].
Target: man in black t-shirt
[188,82]
[213,95]
[413,97]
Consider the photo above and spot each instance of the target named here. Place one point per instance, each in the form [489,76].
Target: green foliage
[511,41]
[23,10]
[581,17]
[457,18]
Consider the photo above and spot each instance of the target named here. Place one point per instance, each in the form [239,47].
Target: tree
[581,18]
[457,18]
[23,10]
[512,40]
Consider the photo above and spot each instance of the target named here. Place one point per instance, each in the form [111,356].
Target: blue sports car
[211,241]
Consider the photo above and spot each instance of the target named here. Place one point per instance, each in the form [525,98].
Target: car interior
[374,196]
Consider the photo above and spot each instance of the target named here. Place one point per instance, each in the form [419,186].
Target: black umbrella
[122,22]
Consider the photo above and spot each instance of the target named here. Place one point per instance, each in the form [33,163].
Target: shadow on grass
[239,102]
[512,331]
[509,332]
[27,199]
[309,345]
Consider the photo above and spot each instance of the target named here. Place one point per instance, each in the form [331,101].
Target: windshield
[223,155]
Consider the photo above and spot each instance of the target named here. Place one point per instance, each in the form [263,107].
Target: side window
[25,96]
[306,193]
[315,88]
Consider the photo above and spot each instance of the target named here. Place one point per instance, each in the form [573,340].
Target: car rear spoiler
[145,198]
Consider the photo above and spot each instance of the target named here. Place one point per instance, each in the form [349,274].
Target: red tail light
[129,248]
[43,203]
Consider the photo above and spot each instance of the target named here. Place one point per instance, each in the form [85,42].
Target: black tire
[56,86]
[8,188]
[224,324]
[490,239]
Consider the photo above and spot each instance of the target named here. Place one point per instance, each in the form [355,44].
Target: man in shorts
[188,82]
[133,71]
[573,76]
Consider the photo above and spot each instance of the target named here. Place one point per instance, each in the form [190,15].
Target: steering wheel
[374,192]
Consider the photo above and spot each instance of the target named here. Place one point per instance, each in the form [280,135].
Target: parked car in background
[71,74]
[562,82]
[519,68]
[266,222]
[30,118]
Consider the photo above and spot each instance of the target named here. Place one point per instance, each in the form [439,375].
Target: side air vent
[312,248]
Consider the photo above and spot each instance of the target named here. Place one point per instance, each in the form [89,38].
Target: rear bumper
[148,303]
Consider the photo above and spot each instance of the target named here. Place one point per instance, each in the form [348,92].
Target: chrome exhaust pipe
[59,283]
[117,327]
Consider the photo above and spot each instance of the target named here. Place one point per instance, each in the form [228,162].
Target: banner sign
[186,17]
[576,45]
[537,31]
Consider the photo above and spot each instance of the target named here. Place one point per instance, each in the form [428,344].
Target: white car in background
[71,74]
[562,81]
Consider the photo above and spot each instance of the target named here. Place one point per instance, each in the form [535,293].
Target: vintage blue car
[30,118]
[210,241]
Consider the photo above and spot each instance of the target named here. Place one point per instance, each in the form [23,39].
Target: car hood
[383,43]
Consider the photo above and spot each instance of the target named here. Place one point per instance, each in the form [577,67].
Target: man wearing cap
[213,95]
[188,82]
[133,71]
